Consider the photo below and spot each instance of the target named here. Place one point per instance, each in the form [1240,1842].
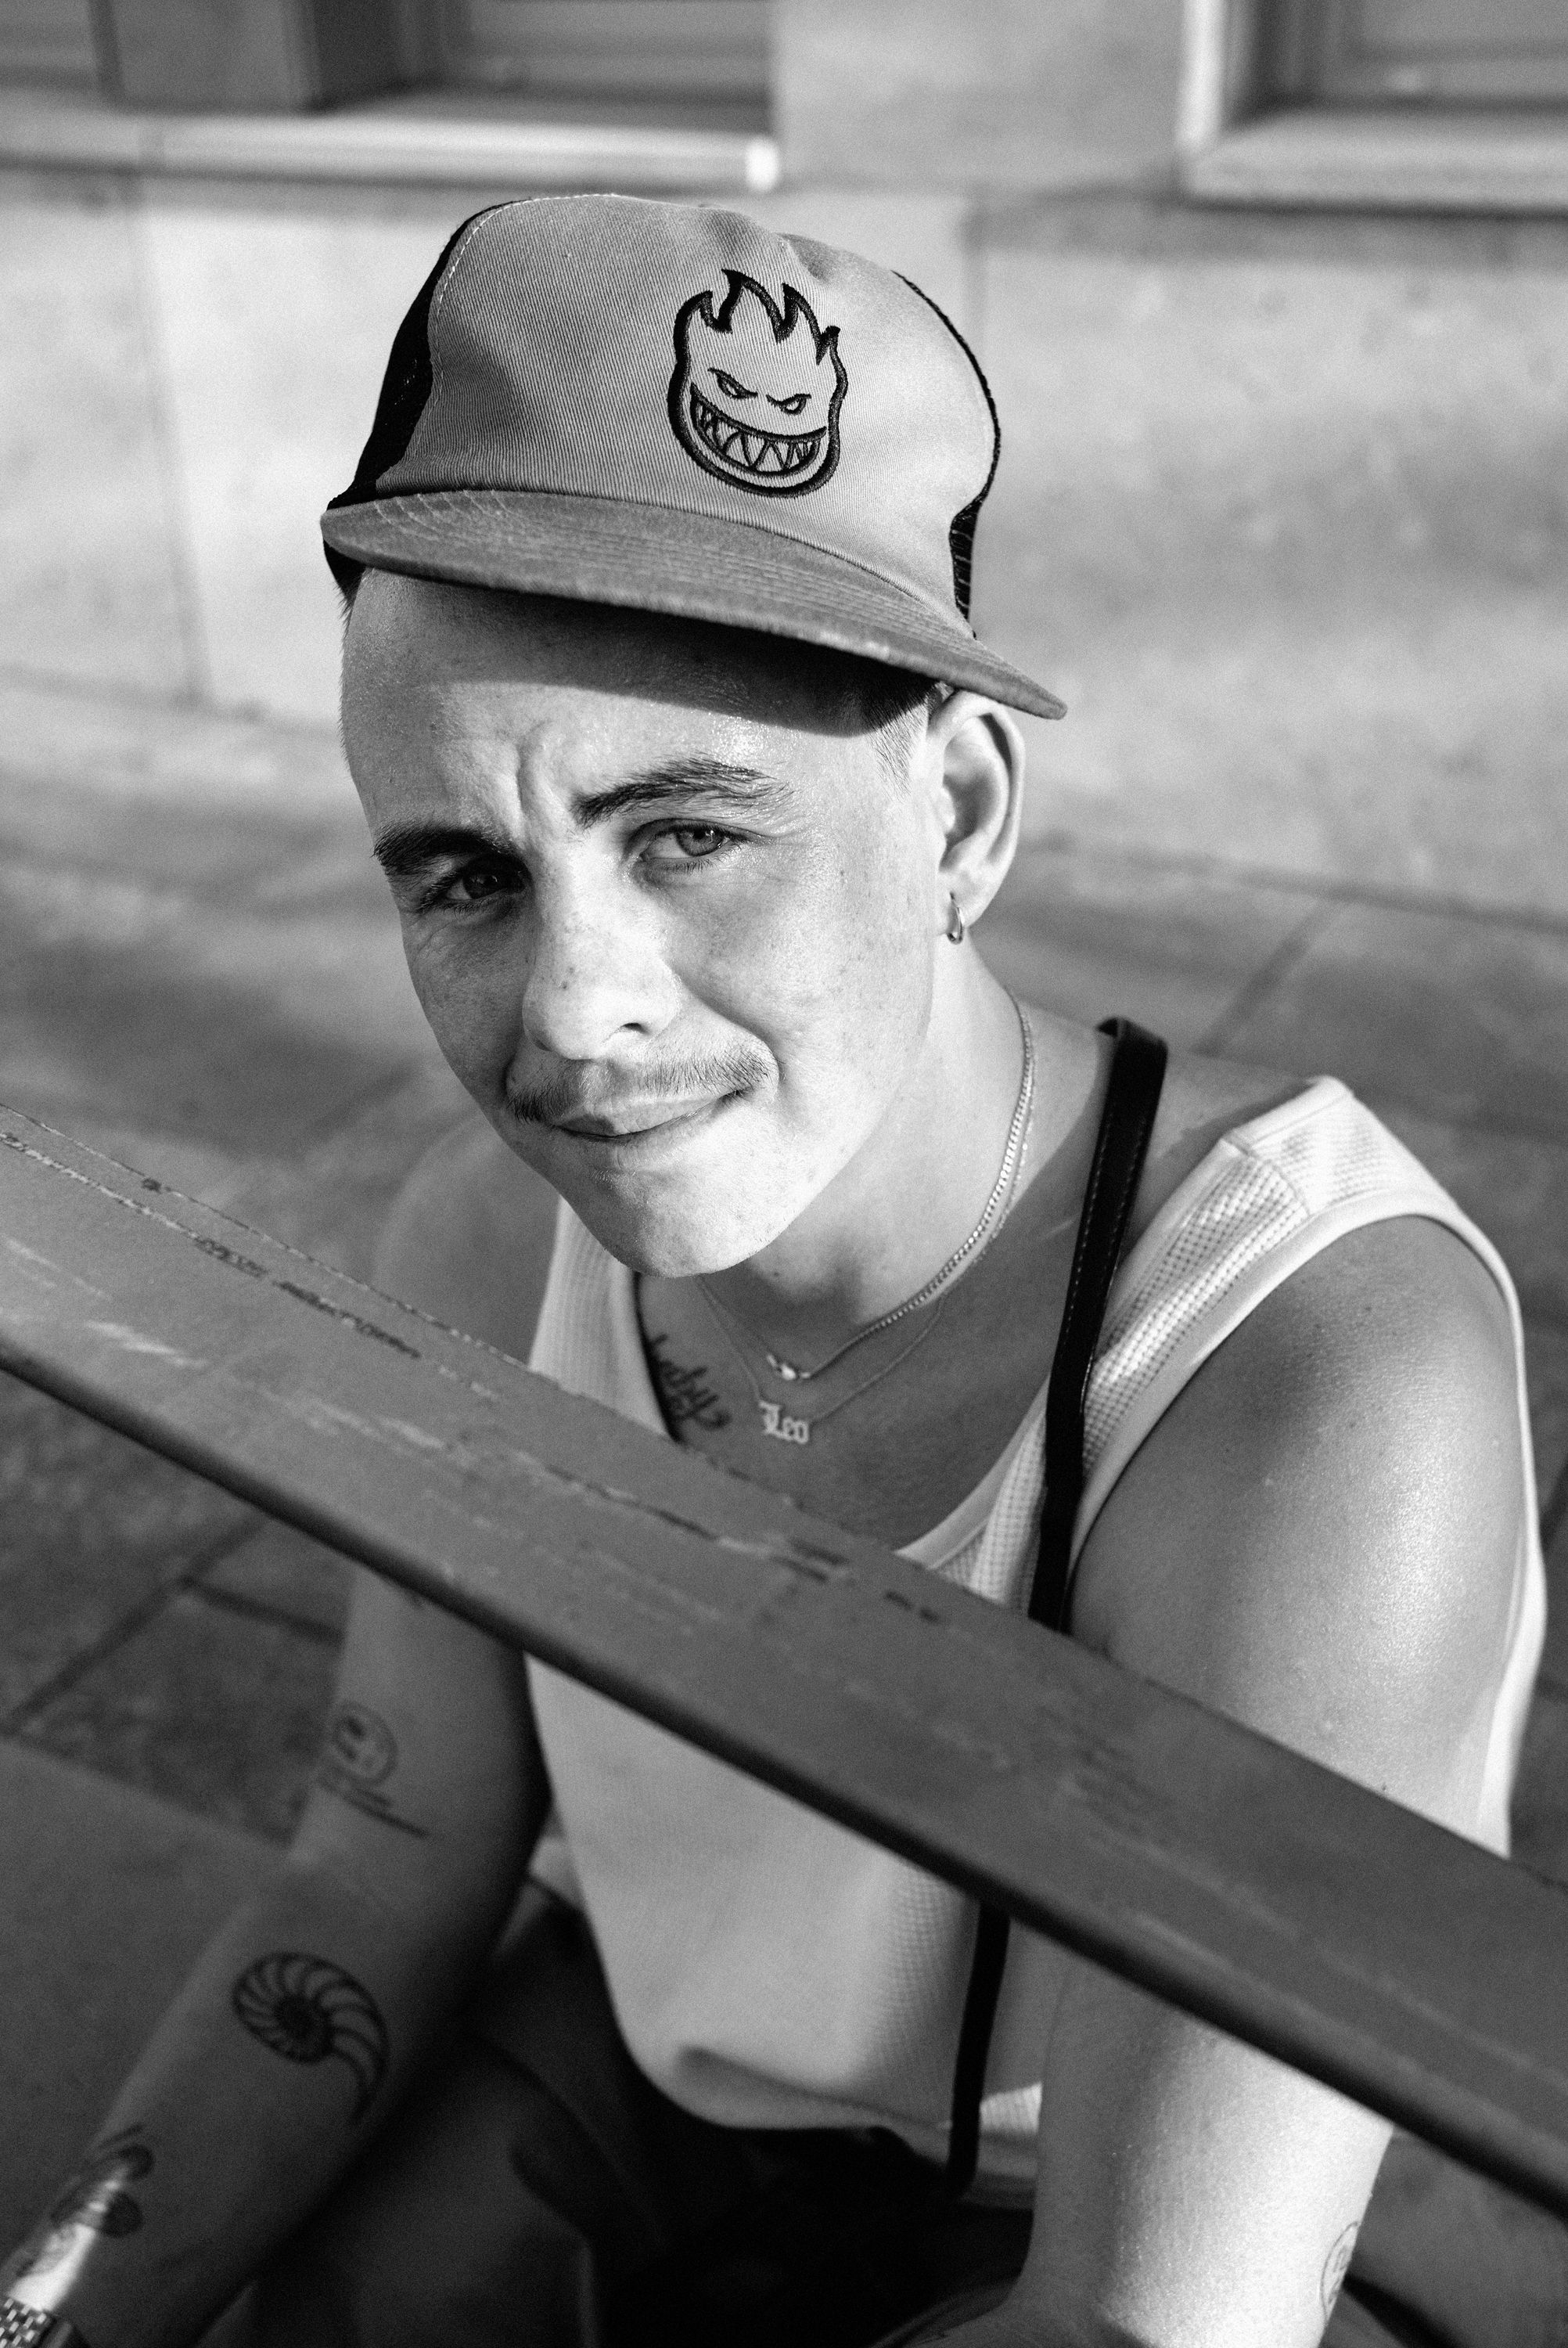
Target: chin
[686,1232]
[711,1209]
[683,1208]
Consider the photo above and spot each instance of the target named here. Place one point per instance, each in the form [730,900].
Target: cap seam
[437,368]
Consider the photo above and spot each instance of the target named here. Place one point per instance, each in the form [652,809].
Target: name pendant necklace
[786,1426]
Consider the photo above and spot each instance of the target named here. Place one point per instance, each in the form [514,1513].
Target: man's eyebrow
[686,780]
[407,850]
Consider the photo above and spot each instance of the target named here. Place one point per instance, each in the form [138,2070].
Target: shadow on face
[628,850]
[477,634]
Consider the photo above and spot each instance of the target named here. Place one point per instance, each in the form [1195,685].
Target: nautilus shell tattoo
[309,2010]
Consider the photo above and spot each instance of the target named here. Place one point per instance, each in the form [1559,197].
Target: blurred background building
[1271,294]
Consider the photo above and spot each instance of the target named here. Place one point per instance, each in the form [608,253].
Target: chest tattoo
[686,1399]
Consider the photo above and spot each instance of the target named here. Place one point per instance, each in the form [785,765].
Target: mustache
[699,1076]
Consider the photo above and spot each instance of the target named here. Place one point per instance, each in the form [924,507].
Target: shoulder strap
[1126,1122]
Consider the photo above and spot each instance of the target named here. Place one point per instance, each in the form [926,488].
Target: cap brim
[659,559]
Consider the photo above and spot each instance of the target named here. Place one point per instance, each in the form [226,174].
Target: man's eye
[729,387]
[792,405]
[692,841]
[475,885]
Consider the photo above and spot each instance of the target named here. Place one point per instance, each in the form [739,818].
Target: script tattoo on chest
[96,2201]
[685,1397]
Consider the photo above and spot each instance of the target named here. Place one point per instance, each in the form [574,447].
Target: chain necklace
[787,1428]
[793,1428]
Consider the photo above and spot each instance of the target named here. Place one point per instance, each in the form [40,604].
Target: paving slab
[332,1195]
[196,947]
[284,1576]
[1540,1792]
[246,1027]
[1458,1018]
[77,748]
[98,1531]
[1546,1367]
[1097,937]
[109,1898]
[210,1705]
[1554,1661]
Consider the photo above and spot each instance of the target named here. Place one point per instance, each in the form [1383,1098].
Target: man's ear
[975,767]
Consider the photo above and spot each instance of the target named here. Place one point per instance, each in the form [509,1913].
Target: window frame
[1236,144]
[701,52]
[435,133]
[1315,57]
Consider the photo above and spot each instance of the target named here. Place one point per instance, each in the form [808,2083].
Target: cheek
[468,990]
[833,973]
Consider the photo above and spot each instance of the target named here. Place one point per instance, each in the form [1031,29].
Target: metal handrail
[1348,1937]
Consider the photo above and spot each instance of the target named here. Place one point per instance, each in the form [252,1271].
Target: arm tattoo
[96,2201]
[682,1393]
[359,1755]
[309,2010]
[1335,2267]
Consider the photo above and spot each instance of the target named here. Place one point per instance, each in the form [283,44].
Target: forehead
[425,638]
[448,687]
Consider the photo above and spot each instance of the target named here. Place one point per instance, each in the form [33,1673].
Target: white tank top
[768,1968]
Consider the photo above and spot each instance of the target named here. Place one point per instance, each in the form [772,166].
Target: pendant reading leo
[783,1428]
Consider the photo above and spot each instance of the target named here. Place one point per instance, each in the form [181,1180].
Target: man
[690,780]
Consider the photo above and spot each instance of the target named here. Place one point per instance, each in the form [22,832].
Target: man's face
[670,919]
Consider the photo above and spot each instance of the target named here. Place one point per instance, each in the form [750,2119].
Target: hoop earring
[954,921]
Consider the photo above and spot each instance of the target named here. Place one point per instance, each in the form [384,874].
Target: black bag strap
[1126,1121]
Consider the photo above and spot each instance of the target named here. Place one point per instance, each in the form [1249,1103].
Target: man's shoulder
[1439,1309]
[1322,1533]
[468,1238]
[1202,1100]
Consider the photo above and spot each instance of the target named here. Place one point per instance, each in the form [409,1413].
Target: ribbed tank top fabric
[769,1969]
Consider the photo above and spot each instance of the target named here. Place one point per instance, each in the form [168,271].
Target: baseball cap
[668,406]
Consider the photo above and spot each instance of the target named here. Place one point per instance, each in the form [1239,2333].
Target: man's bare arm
[301,2023]
[297,2030]
[1320,1540]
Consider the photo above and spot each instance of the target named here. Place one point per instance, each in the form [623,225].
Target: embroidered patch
[756,391]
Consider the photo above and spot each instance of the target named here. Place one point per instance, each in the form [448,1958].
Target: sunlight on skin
[763,953]
[634,883]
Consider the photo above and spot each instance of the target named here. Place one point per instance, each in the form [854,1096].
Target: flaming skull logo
[756,391]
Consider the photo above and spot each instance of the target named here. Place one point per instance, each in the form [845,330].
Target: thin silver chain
[789,1371]
[782,1425]
[933,1290]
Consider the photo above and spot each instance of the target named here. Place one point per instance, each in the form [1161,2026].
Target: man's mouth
[626,1123]
[773,455]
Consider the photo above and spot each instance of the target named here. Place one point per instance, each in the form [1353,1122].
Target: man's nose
[597,971]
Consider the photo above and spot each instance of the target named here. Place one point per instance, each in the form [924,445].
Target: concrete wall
[998,94]
[192,371]
[1281,505]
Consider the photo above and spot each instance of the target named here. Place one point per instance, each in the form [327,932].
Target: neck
[914,1191]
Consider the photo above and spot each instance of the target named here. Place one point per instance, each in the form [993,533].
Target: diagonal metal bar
[1337,1932]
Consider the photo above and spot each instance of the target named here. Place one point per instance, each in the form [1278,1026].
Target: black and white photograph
[784,1173]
